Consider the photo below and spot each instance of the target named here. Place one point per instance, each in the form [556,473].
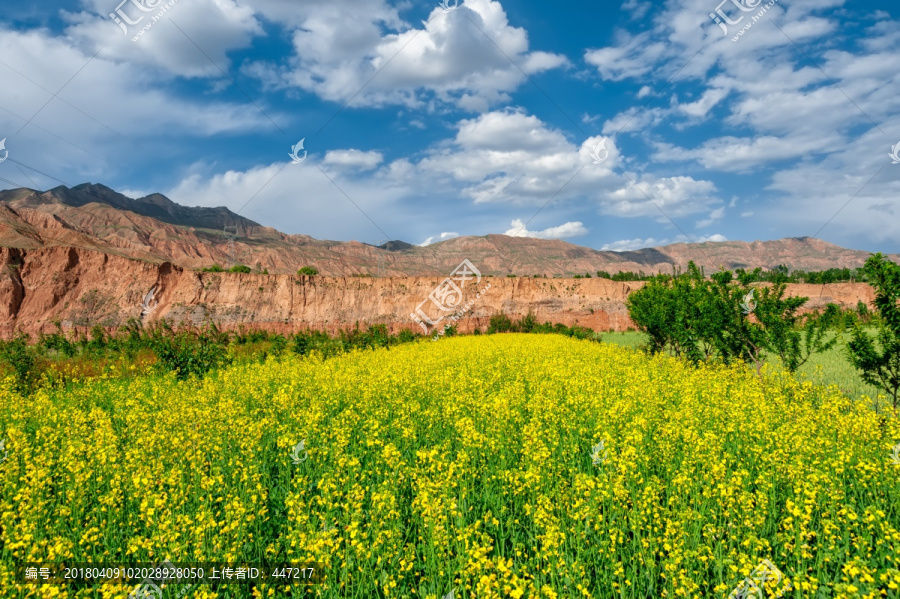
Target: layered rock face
[81,288]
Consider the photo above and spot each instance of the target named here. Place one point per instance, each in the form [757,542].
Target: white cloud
[633,56]
[664,198]
[442,237]
[216,26]
[626,245]
[633,119]
[701,107]
[564,231]
[714,216]
[85,132]
[637,8]
[452,58]
[511,157]
[715,238]
[340,210]
[353,158]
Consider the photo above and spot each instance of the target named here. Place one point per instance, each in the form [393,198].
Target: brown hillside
[32,220]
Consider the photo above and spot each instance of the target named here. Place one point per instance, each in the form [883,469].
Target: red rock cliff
[82,287]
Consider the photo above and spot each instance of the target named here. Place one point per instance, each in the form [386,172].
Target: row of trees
[781,274]
[726,318]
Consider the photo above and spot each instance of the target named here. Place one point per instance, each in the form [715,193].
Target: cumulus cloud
[216,26]
[564,231]
[453,58]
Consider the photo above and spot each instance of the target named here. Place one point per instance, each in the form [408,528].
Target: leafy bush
[190,352]
[23,361]
[501,323]
[239,268]
[58,342]
[309,271]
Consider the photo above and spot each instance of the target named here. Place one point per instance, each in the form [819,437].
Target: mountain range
[157,230]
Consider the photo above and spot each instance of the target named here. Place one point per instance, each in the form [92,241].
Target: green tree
[308,271]
[878,358]
[673,311]
[698,319]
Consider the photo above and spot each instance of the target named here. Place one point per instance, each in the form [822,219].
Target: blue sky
[610,125]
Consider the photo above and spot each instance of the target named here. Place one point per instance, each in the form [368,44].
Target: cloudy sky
[610,125]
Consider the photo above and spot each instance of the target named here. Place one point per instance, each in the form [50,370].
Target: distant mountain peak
[154,205]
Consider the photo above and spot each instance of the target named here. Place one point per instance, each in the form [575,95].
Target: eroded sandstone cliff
[80,287]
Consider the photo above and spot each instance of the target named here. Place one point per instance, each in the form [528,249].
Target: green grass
[828,368]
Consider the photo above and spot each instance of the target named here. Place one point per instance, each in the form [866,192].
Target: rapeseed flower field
[472,465]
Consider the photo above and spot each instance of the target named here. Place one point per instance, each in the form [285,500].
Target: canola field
[469,467]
